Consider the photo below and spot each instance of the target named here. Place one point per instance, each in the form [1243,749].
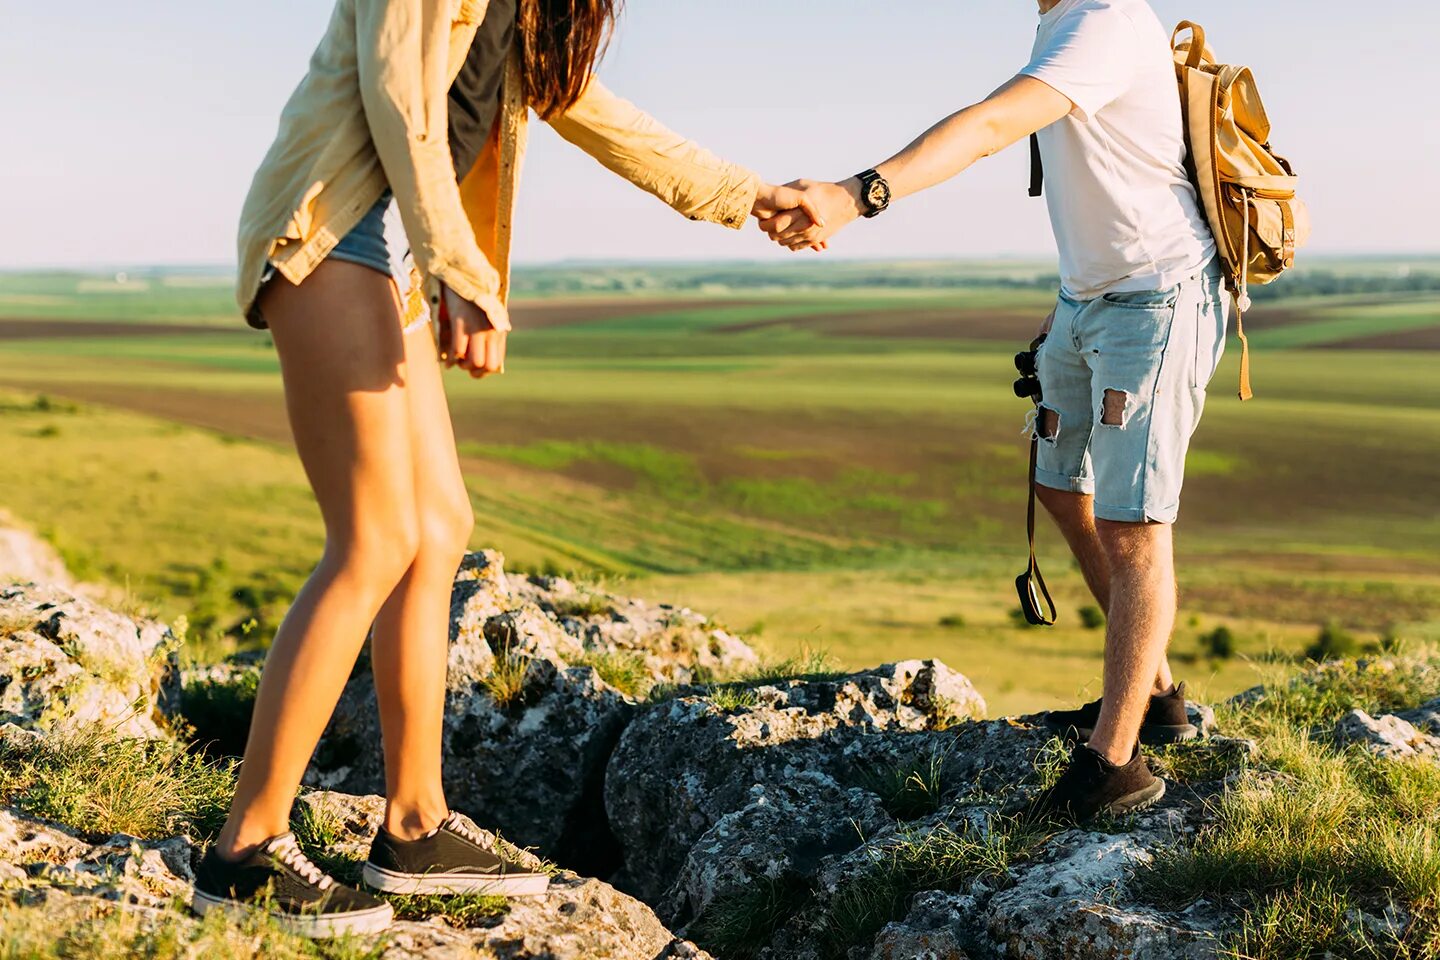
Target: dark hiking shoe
[279,880]
[452,858]
[1092,785]
[1165,720]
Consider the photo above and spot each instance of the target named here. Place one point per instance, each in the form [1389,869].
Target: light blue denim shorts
[1126,375]
[378,242]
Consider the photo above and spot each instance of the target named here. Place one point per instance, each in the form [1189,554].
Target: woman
[420,107]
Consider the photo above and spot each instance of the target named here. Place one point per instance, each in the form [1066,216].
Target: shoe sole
[508,885]
[1137,801]
[1155,735]
[312,927]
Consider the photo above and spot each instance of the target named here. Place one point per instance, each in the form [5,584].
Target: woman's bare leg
[410,645]
[343,361]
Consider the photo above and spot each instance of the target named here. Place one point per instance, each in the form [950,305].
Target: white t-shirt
[1126,217]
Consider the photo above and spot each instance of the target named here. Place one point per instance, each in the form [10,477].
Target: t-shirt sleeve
[1091,57]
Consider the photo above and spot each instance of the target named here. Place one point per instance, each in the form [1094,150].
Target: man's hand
[772,201]
[467,337]
[837,205]
[1049,322]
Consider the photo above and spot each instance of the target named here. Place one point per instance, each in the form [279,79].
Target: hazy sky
[129,131]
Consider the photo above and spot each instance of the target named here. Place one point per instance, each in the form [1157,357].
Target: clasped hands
[805,214]
[800,215]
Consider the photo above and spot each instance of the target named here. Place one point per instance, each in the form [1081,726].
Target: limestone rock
[1071,903]
[779,837]
[68,664]
[1386,736]
[931,931]
[1425,717]
[684,764]
[25,558]
[529,723]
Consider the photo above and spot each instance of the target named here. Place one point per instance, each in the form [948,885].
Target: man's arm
[1018,109]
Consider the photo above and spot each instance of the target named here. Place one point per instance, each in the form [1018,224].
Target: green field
[826,458]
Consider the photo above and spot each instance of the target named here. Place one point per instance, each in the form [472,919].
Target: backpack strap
[1037,167]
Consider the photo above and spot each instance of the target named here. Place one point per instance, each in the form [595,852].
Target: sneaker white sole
[509,885]
[310,926]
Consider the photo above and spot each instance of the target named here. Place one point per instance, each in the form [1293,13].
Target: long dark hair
[561,42]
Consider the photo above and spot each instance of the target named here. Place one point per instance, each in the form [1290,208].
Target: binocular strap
[1031,584]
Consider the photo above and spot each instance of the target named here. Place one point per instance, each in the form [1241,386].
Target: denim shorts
[378,242]
[1126,375]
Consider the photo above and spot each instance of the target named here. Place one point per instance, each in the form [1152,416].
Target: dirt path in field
[1426,338]
[25,328]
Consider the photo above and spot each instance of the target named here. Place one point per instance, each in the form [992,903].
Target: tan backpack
[1246,189]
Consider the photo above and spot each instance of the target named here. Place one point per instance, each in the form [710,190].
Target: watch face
[878,194]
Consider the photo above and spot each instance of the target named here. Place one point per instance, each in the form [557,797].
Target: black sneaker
[280,880]
[1165,720]
[452,858]
[1092,785]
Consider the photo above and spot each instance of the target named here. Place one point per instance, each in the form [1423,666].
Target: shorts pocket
[1144,299]
[1210,323]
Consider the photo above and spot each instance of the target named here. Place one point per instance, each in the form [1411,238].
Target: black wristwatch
[874,193]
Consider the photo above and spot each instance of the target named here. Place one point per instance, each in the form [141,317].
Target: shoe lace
[456,825]
[288,853]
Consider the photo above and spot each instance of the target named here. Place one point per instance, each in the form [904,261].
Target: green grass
[850,490]
[218,712]
[624,671]
[93,929]
[1310,833]
[941,859]
[151,789]
[910,790]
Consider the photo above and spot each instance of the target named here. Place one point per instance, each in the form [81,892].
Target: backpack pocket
[1269,222]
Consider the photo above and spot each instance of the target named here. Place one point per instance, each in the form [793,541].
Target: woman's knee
[378,552]
[446,522]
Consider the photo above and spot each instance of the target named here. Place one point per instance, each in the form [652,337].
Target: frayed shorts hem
[1059,481]
[1135,515]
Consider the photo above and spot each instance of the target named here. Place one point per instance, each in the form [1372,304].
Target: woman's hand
[772,201]
[827,208]
[467,337]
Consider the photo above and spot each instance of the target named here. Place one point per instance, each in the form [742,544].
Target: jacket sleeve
[403,48]
[659,161]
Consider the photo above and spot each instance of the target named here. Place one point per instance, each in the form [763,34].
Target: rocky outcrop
[57,869]
[1387,735]
[686,763]
[543,676]
[26,558]
[70,665]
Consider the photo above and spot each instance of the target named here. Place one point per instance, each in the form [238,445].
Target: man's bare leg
[1143,602]
[1074,514]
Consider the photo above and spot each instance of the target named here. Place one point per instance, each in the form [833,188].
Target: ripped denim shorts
[1124,379]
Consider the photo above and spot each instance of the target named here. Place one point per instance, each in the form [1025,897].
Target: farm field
[821,460]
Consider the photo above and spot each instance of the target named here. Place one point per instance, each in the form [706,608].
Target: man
[1131,344]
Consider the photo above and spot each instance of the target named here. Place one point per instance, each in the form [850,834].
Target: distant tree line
[1384,280]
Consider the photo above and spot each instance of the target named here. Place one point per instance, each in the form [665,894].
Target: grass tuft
[218,711]
[582,606]
[942,859]
[1314,838]
[910,790]
[738,926]
[93,929]
[624,671]
[151,789]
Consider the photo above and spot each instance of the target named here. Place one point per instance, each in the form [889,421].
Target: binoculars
[1028,386]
